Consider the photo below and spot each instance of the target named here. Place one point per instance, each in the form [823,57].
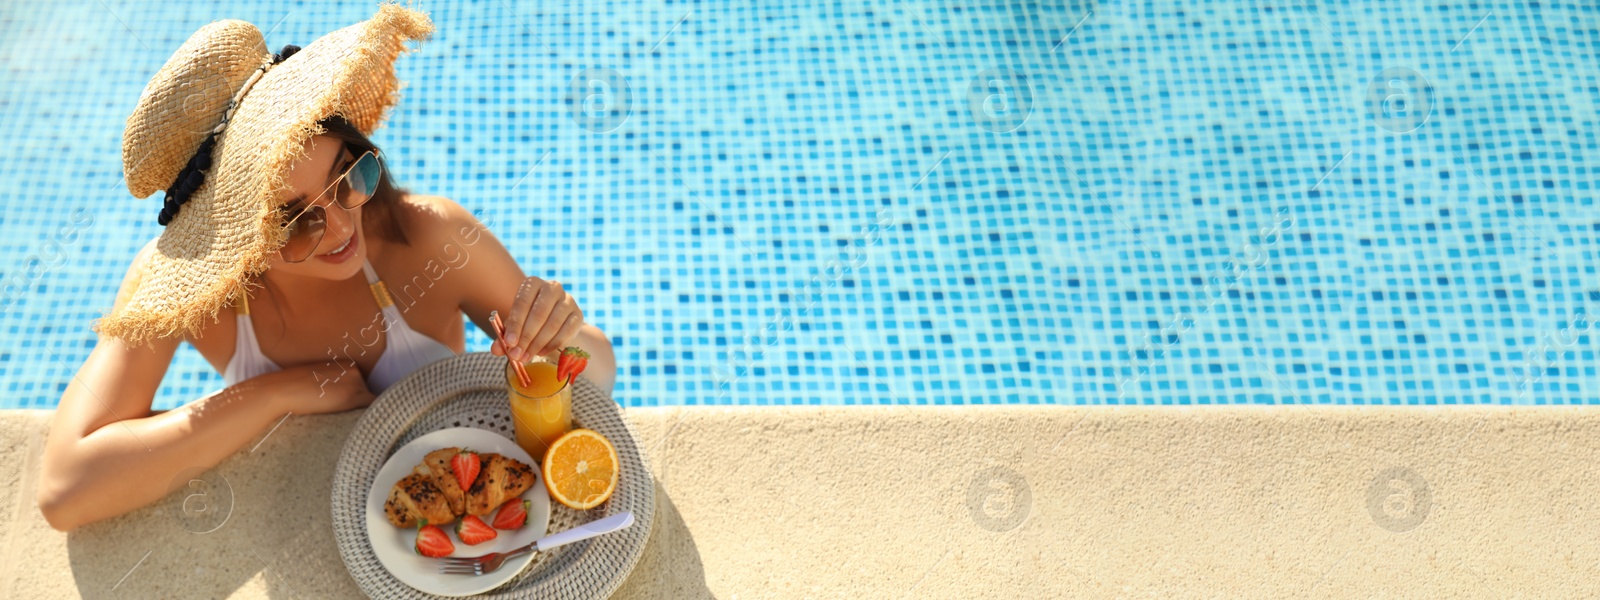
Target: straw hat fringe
[227,231]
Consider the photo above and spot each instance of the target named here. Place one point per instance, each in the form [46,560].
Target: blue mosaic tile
[928,203]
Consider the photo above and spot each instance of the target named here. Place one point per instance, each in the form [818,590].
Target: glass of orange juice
[541,412]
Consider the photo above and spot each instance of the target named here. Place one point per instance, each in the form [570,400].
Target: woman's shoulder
[433,221]
[439,236]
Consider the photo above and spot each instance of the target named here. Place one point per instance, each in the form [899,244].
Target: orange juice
[541,412]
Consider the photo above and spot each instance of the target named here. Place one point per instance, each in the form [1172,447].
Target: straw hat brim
[228,230]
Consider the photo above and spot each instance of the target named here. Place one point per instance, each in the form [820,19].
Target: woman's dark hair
[380,215]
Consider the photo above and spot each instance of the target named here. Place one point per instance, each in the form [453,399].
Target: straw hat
[218,128]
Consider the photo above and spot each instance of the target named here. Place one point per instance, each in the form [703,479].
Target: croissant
[501,479]
[437,466]
[415,497]
[431,491]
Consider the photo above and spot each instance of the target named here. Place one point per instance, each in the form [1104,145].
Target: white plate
[395,546]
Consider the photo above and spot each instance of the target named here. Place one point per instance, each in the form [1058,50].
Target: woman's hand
[543,318]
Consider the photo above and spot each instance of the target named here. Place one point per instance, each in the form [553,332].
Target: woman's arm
[107,453]
[540,315]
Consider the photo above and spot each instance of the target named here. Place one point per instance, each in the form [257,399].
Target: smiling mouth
[341,248]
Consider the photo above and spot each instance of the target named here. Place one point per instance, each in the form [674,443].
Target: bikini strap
[380,292]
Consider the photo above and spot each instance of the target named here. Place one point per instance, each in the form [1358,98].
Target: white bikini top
[407,350]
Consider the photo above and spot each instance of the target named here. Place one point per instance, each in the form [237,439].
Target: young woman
[108,453]
[289,260]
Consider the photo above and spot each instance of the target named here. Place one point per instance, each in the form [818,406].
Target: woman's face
[310,177]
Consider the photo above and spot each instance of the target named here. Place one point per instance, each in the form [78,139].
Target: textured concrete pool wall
[1052,502]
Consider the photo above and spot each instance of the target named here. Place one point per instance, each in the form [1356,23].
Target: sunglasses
[352,189]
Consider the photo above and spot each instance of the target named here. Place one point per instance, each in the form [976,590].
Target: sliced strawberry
[474,531]
[466,466]
[513,514]
[575,360]
[432,541]
[562,363]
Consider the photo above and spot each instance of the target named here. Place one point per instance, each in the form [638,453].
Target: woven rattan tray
[470,391]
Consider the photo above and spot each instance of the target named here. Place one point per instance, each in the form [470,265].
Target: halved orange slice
[580,469]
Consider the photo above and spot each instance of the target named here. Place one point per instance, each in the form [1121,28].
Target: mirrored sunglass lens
[364,174]
[304,235]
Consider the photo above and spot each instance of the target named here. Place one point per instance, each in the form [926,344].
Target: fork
[489,563]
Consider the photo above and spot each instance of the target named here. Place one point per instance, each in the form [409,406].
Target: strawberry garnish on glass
[572,361]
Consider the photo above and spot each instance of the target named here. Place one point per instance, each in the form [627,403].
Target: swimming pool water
[928,201]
